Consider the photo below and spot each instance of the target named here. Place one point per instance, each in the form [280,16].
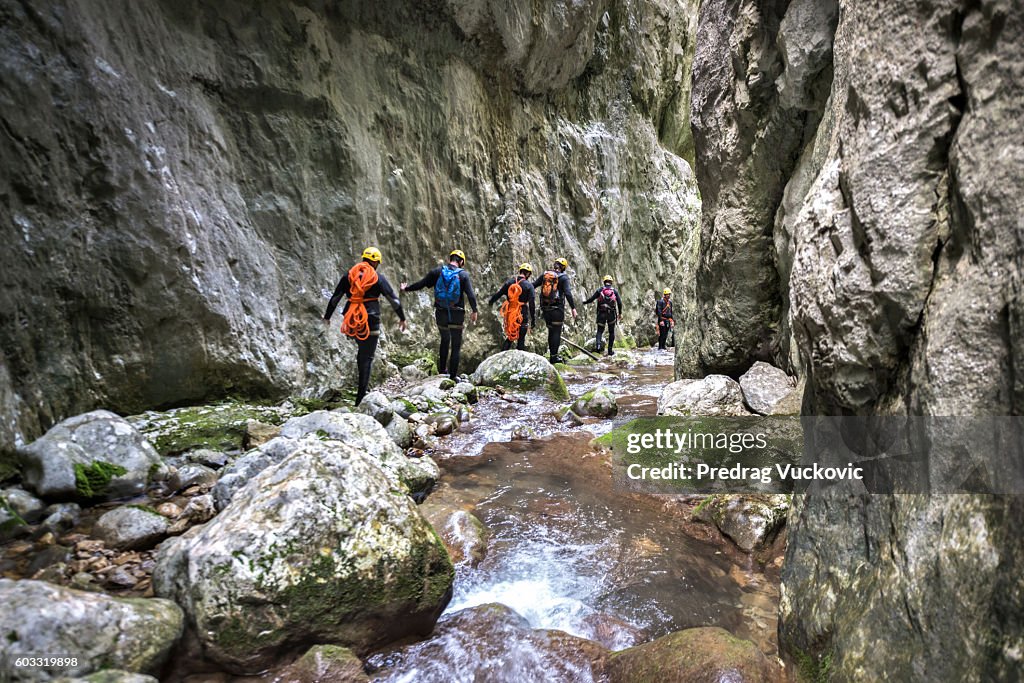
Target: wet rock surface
[133,634]
[712,395]
[317,546]
[750,520]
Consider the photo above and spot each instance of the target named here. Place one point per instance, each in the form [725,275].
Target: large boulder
[769,391]
[713,395]
[318,547]
[131,527]
[376,405]
[133,634]
[520,370]
[94,455]
[750,520]
[696,655]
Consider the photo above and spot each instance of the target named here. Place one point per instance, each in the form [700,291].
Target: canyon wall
[185,181]
[867,235]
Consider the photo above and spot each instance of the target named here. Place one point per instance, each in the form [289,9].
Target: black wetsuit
[527,297]
[450,320]
[606,315]
[554,310]
[366,347]
[663,309]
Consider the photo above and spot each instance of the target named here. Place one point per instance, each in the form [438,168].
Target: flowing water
[569,552]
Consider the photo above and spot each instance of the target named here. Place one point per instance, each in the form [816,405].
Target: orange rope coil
[511,311]
[356,321]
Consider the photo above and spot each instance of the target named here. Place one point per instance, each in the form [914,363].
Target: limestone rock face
[174,222]
[881,259]
[95,455]
[133,634]
[317,547]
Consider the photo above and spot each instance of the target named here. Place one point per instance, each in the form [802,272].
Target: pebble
[169,510]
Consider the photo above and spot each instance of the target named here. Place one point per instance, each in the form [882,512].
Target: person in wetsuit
[663,311]
[514,315]
[609,311]
[554,293]
[364,286]
[451,286]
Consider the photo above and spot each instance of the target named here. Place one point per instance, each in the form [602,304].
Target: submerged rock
[96,455]
[133,634]
[463,533]
[317,547]
[769,391]
[131,528]
[520,370]
[498,641]
[750,520]
[690,656]
[323,664]
[599,402]
[712,395]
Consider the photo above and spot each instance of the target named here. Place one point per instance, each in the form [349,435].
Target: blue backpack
[448,289]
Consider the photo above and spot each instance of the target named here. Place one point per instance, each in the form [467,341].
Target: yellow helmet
[458,252]
[608,278]
[667,291]
[562,262]
[372,254]
[526,266]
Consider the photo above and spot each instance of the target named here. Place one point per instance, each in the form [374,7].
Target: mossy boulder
[521,370]
[97,455]
[696,655]
[750,520]
[319,547]
[133,634]
[222,426]
[599,402]
[323,663]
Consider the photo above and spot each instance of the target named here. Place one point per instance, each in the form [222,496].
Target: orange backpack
[549,288]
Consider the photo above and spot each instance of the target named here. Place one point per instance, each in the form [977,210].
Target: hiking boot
[557,359]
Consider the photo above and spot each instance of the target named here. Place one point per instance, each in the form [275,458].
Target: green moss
[220,427]
[10,465]
[625,341]
[92,480]
[700,507]
[14,521]
[811,669]
[557,388]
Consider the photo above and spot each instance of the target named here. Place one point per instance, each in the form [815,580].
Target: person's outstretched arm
[566,291]
[467,287]
[339,291]
[389,293]
[593,296]
[500,293]
[429,280]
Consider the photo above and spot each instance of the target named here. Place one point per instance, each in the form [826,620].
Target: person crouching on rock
[520,292]
[554,292]
[663,311]
[361,316]
[451,284]
[609,311]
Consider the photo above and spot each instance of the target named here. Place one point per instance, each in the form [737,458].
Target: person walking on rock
[520,293]
[451,285]
[361,316]
[554,293]
[663,312]
[609,311]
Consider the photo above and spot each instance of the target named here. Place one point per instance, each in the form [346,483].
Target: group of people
[364,286]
